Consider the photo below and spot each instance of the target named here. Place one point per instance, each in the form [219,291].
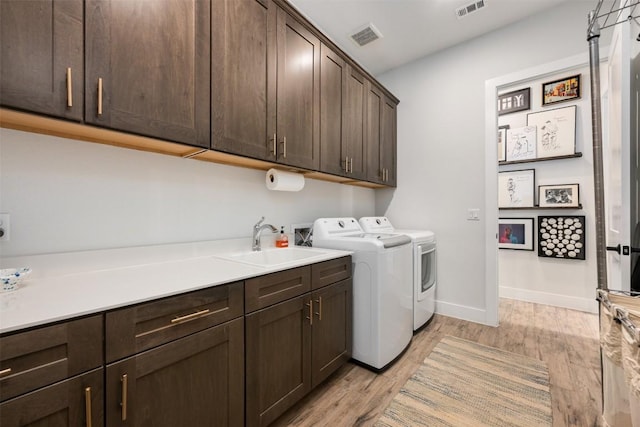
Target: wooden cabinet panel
[332,271]
[388,142]
[374,110]
[298,90]
[332,335]
[153,61]
[354,123]
[194,381]
[143,326]
[64,404]
[270,289]
[278,359]
[39,41]
[333,70]
[45,355]
[243,77]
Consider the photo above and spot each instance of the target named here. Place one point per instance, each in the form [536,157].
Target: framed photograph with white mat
[559,196]
[515,233]
[521,143]
[556,131]
[516,189]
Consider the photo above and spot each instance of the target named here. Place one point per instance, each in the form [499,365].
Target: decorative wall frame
[516,188]
[502,143]
[515,233]
[521,143]
[561,237]
[556,134]
[511,102]
[561,90]
[559,196]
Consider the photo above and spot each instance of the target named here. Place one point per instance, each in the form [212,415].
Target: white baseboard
[589,305]
[463,312]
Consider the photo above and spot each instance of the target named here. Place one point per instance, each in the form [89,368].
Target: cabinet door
[375,101]
[332,329]
[243,77]
[148,68]
[388,142]
[298,90]
[278,359]
[194,381]
[354,122]
[333,70]
[74,402]
[41,64]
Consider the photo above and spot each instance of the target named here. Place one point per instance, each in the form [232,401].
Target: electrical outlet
[5,226]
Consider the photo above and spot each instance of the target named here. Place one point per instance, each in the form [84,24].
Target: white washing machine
[382,288]
[424,266]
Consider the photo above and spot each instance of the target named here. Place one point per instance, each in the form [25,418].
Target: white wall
[441,128]
[66,195]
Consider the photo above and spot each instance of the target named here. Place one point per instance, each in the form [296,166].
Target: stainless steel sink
[274,257]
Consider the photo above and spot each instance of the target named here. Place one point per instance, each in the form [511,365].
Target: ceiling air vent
[475,6]
[365,35]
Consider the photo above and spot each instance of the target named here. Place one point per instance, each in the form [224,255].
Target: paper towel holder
[280,180]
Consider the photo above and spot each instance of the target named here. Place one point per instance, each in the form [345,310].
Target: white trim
[492,86]
[462,312]
[589,305]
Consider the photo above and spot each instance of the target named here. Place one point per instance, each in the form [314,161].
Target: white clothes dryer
[382,288]
[423,269]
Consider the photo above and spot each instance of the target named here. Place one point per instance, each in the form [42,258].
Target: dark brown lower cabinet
[77,401]
[293,346]
[197,380]
[332,331]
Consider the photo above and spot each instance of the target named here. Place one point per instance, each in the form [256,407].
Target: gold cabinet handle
[69,88]
[351,165]
[5,372]
[87,405]
[319,312]
[346,164]
[284,147]
[310,305]
[124,382]
[100,96]
[274,142]
[190,316]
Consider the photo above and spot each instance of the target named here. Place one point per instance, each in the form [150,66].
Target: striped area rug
[462,383]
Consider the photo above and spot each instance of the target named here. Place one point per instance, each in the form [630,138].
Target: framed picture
[559,196]
[511,102]
[521,143]
[561,237]
[556,131]
[515,233]
[561,90]
[502,143]
[515,188]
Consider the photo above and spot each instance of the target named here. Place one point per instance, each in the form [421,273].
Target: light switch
[473,214]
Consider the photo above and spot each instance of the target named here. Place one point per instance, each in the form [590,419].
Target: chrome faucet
[257,230]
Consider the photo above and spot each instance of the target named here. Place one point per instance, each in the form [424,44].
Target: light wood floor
[566,339]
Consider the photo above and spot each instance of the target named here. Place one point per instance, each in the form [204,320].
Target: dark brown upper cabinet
[354,146]
[265,89]
[333,72]
[148,68]
[41,63]
[381,137]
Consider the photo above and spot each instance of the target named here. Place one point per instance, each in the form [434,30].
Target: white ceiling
[411,28]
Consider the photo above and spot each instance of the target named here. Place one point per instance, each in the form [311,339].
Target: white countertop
[63,286]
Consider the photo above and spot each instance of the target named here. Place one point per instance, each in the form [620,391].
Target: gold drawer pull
[351,165]
[5,372]
[87,405]
[100,96]
[274,142]
[190,316]
[123,404]
[284,147]
[69,89]
[310,305]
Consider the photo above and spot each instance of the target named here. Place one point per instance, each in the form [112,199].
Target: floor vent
[366,34]
[475,6]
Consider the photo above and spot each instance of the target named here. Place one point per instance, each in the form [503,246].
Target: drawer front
[270,289]
[78,401]
[39,357]
[144,326]
[332,271]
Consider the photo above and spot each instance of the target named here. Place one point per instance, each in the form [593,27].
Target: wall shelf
[513,162]
[542,208]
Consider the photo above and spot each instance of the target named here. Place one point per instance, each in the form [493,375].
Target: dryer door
[426,269]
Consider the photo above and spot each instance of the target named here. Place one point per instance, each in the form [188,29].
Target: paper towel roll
[278,180]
